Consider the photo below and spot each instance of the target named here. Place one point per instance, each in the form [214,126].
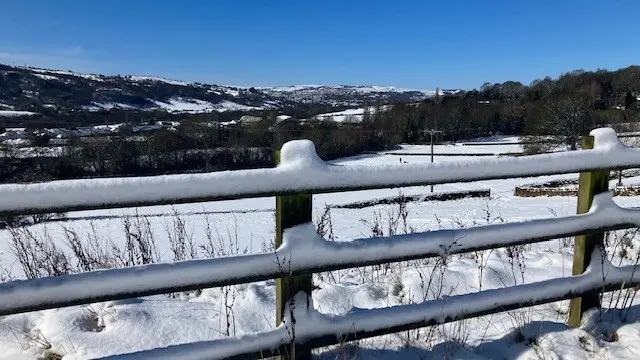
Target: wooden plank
[291,210]
[590,184]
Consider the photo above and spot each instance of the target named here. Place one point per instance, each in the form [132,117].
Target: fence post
[291,210]
[590,184]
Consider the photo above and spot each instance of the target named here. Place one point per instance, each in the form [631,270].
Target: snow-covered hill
[38,90]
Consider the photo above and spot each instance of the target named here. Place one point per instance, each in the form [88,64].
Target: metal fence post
[291,210]
[590,184]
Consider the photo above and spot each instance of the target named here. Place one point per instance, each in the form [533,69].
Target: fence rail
[302,252]
[320,330]
[300,171]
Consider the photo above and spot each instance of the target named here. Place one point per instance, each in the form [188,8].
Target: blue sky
[418,44]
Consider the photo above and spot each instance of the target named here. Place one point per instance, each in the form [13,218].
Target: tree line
[194,146]
[566,108]
[563,108]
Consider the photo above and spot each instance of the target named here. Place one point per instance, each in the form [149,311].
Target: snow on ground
[349,115]
[92,108]
[69,73]
[248,225]
[158,79]
[496,139]
[108,128]
[95,106]
[459,149]
[290,88]
[16,113]
[184,105]
[188,105]
[360,89]
[228,90]
[47,77]
[227,105]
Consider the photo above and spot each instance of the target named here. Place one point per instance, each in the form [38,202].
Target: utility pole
[432,132]
[620,178]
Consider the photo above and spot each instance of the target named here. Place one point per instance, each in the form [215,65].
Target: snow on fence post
[590,184]
[291,210]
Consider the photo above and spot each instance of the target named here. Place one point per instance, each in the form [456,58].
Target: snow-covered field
[195,106]
[15,113]
[460,149]
[349,115]
[248,225]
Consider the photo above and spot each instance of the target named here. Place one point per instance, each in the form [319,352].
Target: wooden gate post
[291,210]
[590,184]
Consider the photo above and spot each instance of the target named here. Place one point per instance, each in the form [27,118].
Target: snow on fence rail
[302,252]
[301,171]
[323,330]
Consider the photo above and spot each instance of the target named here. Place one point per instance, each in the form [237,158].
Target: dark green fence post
[291,210]
[590,184]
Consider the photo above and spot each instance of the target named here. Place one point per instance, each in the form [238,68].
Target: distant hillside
[54,92]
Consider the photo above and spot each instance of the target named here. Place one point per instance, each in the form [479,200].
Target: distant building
[14,134]
[249,120]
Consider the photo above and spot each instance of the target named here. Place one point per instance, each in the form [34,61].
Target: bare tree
[567,118]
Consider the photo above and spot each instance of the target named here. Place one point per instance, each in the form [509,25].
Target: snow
[308,173]
[227,105]
[92,108]
[47,77]
[187,318]
[13,134]
[93,77]
[459,149]
[19,133]
[312,324]
[231,91]
[349,115]
[229,123]
[184,105]
[15,113]
[355,115]
[497,139]
[366,89]
[291,88]
[108,128]
[303,249]
[157,79]
[188,105]
[97,106]
[107,106]
[359,89]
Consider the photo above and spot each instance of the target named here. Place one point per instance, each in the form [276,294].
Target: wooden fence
[300,252]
